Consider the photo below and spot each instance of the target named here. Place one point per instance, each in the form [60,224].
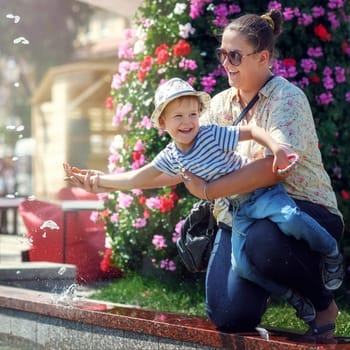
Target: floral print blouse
[284,111]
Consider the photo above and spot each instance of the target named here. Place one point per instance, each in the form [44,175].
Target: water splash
[21,40]
[50,224]
[67,297]
[263,333]
[15,18]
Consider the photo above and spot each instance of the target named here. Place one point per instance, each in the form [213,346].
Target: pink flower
[208,83]
[315,52]
[347,96]
[153,203]
[274,5]
[167,264]
[325,98]
[318,11]
[159,242]
[334,4]
[137,192]
[305,19]
[187,64]
[114,218]
[340,74]
[328,82]
[288,14]
[145,123]
[308,65]
[120,113]
[177,232]
[124,200]
[139,223]
[94,216]
[139,146]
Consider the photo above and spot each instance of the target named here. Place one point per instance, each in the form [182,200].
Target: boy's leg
[276,205]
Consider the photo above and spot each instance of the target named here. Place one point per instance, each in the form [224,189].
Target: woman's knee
[235,319]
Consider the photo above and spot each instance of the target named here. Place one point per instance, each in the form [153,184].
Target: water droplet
[44,234]
[18,272]
[62,270]
[21,40]
[50,224]
[15,18]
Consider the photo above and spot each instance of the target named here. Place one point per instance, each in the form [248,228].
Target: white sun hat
[171,90]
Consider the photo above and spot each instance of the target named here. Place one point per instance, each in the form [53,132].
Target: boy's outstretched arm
[145,177]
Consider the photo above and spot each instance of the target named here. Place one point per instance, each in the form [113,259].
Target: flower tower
[178,38]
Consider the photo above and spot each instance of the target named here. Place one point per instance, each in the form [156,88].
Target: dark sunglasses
[234,56]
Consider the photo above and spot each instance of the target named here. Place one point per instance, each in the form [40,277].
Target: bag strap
[251,103]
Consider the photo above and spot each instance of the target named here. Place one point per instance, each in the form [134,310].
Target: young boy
[209,152]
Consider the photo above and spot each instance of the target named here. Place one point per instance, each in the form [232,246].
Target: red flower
[321,31]
[141,75]
[106,262]
[161,47]
[174,196]
[289,62]
[315,79]
[162,54]
[182,48]
[109,102]
[345,46]
[142,200]
[146,214]
[345,194]
[106,265]
[145,65]
[105,213]
[136,155]
[147,62]
[166,204]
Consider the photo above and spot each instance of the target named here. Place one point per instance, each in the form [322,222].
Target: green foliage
[188,297]
[179,39]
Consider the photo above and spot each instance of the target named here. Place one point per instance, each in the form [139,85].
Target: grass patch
[188,297]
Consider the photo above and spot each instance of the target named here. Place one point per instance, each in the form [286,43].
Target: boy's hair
[180,99]
[172,89]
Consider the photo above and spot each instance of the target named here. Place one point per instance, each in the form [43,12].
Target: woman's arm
[250,177]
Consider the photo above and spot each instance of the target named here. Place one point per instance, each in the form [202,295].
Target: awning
[125,8]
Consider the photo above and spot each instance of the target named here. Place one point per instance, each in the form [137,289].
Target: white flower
[139,47]
[179,9]
[185,30]
[118,142]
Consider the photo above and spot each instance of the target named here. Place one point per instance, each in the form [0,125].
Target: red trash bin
[85,240]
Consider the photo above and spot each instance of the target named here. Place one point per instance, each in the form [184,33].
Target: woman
[234,304]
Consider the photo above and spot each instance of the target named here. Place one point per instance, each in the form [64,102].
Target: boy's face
[180,120]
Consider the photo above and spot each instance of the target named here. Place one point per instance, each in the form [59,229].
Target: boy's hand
[86,179]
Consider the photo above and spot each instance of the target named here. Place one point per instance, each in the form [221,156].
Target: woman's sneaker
[303,307]
[333,272]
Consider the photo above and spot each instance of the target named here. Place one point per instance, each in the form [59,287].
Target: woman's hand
[85,179]
[195,184]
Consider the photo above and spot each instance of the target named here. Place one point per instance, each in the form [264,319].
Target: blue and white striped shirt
[211,156]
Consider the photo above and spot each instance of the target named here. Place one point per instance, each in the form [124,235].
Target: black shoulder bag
[199,228]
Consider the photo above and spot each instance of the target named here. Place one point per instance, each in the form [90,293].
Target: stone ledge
[44,276]
[120,324]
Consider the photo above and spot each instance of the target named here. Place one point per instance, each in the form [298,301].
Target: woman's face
[245,74]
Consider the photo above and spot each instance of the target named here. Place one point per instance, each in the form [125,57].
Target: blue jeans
[235,304]
[276,205]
